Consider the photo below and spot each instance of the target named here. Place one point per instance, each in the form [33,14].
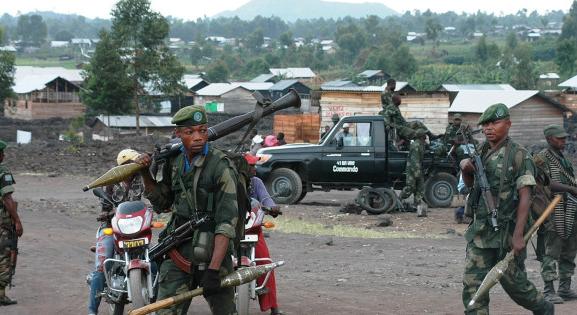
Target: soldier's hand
[467,166]
[144,159]
[19,229]
[518,244]
[210,282]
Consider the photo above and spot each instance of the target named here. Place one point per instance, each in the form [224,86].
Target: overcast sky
[192,9]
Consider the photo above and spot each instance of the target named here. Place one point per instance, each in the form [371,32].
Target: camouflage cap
[555,131]
[190,116]
[457,116]
[493,113]
[2,145]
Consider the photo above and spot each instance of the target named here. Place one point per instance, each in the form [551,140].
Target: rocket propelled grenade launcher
[495,274]
[241,276]
[122,172]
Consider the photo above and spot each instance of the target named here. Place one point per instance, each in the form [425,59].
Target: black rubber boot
[4,300]
[565,291]
[550,295]
[547,308]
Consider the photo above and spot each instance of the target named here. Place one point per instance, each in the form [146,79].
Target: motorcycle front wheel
[116,309]
[242,298]
[138,288]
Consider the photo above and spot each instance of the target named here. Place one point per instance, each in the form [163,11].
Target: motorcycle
[128,274]
[255,221]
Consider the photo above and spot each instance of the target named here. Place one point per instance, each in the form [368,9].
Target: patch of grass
[291,225]
[50,62]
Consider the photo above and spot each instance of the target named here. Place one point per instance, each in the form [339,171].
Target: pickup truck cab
[345,161]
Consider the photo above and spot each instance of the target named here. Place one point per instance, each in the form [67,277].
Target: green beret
[555,131]
[2,145]
[493,113]
[190,116]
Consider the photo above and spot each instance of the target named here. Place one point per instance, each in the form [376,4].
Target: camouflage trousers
[559,256]
[514,281]
[4,258]
[415,184]
[408,131]
[174,281]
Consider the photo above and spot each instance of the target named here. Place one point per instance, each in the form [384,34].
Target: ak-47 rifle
[13,254]
[483,183]
[177,237]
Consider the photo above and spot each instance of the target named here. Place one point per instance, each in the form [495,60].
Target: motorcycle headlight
[130,226]
[263,158]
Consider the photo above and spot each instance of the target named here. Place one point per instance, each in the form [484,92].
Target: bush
[454,60]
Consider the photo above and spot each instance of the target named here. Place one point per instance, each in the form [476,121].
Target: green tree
[524,73]
[107,89]
[32,30]
[569,29]
[142,35]
[403,63]
[255,40]
[63,35]
[481,49]
[350,40]
[511,42]
[286,40]
[218,72]
[566,57]
[432,29]
[7,71]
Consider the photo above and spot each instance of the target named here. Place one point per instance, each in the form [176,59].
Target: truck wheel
[376,201]
[440,189]
[286,185]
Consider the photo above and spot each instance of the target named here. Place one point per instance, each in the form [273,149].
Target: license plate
[134,243]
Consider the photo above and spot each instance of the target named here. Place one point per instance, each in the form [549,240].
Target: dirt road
[323,274]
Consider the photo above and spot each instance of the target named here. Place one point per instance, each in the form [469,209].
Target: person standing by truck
[415,182]
[510,171]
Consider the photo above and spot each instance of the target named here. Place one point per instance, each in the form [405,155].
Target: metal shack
[530,110]
[429,107]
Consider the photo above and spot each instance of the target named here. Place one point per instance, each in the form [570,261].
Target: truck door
[349,157]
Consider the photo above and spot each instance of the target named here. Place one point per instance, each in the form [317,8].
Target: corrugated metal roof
[338,83]
[369,73]
[370,88]
[130,121]
[217,89]
[293,73]
[572,83]
[550,75]
[191,80]
[479,101]
[282,85]
[28,79]
[263,77]
[473,87]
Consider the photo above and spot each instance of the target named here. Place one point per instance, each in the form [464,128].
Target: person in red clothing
[258,191]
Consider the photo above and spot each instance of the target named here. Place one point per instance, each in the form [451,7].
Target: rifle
[481,179]
[13,252]
[180,235]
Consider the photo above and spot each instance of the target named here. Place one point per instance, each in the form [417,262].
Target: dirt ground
[420,274]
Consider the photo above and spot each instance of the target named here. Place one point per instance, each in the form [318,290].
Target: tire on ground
[282,179]
[376,200]
[440,189]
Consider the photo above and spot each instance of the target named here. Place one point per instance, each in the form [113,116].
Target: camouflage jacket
[6,186]
[393,117]
[518,172]
[454,133]
[416,155]
[386,99]
[215,194]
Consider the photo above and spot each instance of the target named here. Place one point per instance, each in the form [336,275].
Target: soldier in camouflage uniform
[415,183]
[557,240]
[510,173]
[455,134]
[200,181]
[393,117]
[8,218]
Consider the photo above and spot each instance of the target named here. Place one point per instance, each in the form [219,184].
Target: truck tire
[303,195]
[440,189]
[376,200]
[282,179]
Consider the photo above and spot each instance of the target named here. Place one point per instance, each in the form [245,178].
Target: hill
[291,10]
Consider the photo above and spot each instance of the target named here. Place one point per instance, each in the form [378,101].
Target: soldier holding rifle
[493,232]
[197,182]
[10,229]
[557,240]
